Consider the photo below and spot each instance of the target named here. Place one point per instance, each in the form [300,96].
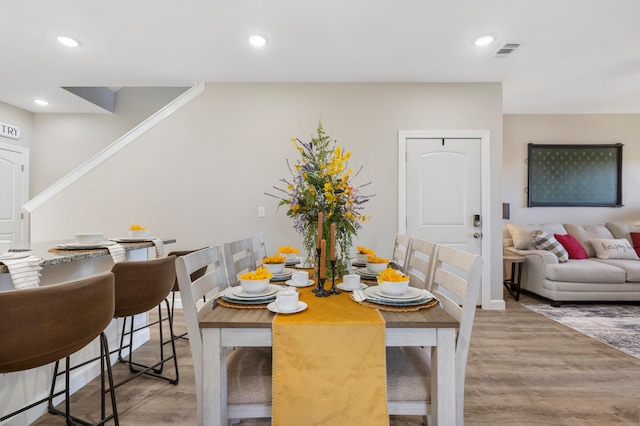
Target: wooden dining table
[224,328]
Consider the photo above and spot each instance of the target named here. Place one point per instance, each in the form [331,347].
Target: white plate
[78,246]
[411,293]
[273,308]
[238,291]
[284,275]
[365,273]
[15,255]
[341,287]
[301,266]
[133,240]
[292,283]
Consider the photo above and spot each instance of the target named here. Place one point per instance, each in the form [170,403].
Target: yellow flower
[260,273]
[373,258]
[364,250]
[136,227]
[390,274]
[288,250]
[274,259]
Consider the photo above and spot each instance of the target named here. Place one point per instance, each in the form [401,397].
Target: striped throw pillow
[544,241]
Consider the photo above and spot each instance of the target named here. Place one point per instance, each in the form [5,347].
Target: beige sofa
[592,279]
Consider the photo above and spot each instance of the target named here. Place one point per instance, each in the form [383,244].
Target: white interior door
[13,192]
[444,191]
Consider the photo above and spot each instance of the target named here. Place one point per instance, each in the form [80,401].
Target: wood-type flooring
[523,369]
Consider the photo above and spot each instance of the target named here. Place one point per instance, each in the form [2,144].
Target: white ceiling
[576,56]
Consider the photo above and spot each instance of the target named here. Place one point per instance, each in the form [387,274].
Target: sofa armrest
[545,256]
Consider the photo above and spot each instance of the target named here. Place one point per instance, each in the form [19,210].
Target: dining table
[224,328]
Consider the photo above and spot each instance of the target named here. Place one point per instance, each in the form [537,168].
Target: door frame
[485,150]
[25,186]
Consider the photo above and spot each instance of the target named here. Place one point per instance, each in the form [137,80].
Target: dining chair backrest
[248,368]
[400,250]
[239,259]
[258,247]
[458,273]
[193,293]
[421,255]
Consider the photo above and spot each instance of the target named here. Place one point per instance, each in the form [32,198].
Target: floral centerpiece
[322,184]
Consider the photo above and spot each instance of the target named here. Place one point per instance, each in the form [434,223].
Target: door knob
[477,235]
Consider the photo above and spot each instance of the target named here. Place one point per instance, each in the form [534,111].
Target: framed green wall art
[574,175]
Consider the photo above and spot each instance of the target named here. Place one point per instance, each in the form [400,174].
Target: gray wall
[520,130]
[200,175]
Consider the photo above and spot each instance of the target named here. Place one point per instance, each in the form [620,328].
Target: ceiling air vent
[506,49]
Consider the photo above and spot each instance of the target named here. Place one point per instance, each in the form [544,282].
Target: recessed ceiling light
[484,40]
[41,102]
[257,40]
[68,41]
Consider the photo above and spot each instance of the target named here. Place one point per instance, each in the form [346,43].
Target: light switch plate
[261,212]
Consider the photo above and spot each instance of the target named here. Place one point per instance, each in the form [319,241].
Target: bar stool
[45,324]
[139,287]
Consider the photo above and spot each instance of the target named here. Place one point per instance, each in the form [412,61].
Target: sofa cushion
[622,230]
[631,267]
[613,248]
[544,241]
[582,233]
[522,234]
[573,247]
[635,240]
[585,271]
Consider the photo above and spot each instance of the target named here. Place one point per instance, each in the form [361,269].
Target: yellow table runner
[329,364]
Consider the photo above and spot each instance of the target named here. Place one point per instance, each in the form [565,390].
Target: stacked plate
[79,246]
[412,297]
[238,295]
[282,276]
[366,274]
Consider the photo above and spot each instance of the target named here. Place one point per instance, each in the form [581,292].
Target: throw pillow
[635,237]
[573,247]
[544,241]
[613,249]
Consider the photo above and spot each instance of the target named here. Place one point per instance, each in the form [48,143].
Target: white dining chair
[421,256]
[458,274]
[400,252]
[248,368]
[258,247]
[239,259]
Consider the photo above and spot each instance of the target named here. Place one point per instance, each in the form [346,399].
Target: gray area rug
[616,325]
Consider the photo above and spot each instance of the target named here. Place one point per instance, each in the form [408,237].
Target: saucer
[292,283]
[273,308]
[341,287]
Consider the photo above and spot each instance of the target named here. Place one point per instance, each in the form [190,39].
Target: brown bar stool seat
[45,324]
[139,287]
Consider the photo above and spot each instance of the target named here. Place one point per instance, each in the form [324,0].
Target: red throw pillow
[573,247]
[635,238]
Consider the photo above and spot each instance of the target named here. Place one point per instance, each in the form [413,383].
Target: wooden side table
[513,283]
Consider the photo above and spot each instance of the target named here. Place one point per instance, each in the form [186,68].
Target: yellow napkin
[329,364]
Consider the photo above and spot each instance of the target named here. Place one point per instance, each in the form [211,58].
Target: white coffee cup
[300,277]
[351,281]
[287,301]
